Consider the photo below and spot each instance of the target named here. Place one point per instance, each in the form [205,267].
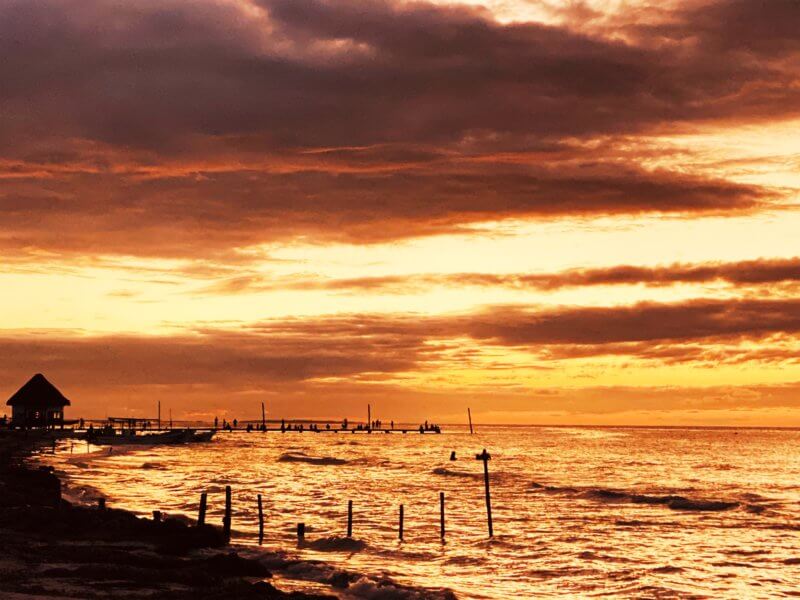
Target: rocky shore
[54,549]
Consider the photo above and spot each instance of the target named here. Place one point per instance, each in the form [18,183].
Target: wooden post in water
[157,516]
[159,415]
[301,532]
[484,456]
[260,521]
[349,518]
[263,418]
[369,417]
[201,515]
[226,520]
[400,530]
[101,503]
[441,514]
[469,414]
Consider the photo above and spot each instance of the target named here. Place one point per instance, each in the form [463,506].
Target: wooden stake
[441,514]
[301,532]
[484,456]
[400,530]
[159,415]
[101,503]
[349,518]
[157,516]
[260,521]
[226,520]
[201,515]
[469,414]
[263,417]
[369,417]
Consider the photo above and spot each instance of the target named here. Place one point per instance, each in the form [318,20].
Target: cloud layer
[140,128]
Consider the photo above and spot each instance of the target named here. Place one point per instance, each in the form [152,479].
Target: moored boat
[105,438]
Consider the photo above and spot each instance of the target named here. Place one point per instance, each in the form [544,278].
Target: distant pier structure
[38,403]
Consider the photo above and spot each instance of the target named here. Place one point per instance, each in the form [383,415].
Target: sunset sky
[548,211]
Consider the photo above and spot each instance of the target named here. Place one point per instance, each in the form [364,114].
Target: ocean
[577,511]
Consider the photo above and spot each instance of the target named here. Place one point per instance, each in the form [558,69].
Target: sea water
[644,512]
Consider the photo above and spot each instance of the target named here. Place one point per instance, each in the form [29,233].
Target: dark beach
[55,549]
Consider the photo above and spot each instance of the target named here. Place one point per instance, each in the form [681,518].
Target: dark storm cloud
[94,90]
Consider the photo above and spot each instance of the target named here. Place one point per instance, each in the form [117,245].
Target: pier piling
[349,518]
[400,529]
[226,520]
[201,515]
[301,532]
[260,521]
[441,514]
[484,456]
[469,414]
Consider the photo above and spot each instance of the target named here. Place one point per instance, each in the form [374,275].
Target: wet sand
[54,549]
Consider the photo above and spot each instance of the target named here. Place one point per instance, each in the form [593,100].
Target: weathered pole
[400,530]
[441,514]
[201,515]
[349,518]
[484,456]
[369,417]
[159,415]
[301,532]
[263,417]
[260,521]
[226,520]
[469,414]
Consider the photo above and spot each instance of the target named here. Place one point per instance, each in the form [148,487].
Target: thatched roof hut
[37,403]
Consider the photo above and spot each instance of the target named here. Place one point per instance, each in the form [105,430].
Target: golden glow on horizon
[365,263]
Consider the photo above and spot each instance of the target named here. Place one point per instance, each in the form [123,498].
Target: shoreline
[57,548]
[54,548]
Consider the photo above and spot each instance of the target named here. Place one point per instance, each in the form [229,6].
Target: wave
[453,473]
[385,589]
[153,466]
[335,544]
[352,584]
[670,501]
[313,460]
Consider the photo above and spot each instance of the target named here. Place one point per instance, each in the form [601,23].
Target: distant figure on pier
[216,422]
[344,424]
[249,427]
[328,426]
[392,423]
[235,424]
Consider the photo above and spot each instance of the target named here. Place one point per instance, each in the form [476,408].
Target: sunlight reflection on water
[579,511]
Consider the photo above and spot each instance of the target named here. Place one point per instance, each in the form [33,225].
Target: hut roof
[38,392]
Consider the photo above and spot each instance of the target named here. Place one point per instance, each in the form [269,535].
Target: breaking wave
[670,501]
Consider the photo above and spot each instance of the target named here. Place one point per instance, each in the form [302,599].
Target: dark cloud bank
[173,128]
